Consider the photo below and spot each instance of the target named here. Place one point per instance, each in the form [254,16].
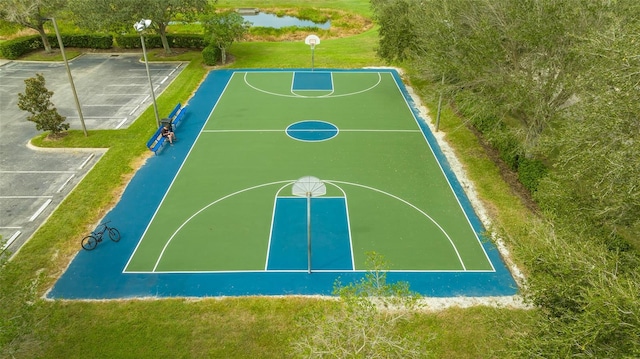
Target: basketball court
[281,183]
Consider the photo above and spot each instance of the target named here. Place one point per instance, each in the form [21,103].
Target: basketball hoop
[312,40]
[308,187]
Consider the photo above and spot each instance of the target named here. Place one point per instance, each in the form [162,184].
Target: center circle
[312,131]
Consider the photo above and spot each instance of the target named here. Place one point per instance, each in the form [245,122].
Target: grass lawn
[229,327]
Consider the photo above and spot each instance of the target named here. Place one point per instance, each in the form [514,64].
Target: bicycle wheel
[114,234]
[89,242]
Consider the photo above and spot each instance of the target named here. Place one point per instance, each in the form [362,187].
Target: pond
[271,20]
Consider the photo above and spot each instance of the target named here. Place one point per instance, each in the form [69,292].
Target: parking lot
[113,90]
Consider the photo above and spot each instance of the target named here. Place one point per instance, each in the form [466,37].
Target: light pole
[140,26]
[73,87]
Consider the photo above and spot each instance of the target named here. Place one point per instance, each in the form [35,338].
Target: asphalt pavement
[113,90]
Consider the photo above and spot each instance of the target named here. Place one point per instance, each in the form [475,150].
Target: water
[271,20]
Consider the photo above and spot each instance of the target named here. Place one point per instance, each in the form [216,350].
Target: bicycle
[91,241]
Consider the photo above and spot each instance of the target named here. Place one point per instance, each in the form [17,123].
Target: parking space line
[65,183]
[175,69]
[11,240]
[36,172]
[134,110]
[122,123]
[24,197]
[86,161]
[40,210]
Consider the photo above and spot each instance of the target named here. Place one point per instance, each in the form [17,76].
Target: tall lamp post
[73,87]
[140,26]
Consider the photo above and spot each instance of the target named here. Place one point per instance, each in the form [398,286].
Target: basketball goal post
[312,40]
[309,187]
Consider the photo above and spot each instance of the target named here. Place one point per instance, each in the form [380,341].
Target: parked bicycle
[91,241]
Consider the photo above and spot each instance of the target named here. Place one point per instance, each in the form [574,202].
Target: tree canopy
[554,82]
[120,15]
[32,14]
[223,29]
[36,100]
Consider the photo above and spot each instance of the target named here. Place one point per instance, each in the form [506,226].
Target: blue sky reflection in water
[271,20]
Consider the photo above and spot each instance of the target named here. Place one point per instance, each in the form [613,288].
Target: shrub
[90,41]
[508,146]
[211,55]
[15,48]
[191,41]
[37,101]
[530,172]
[187,41]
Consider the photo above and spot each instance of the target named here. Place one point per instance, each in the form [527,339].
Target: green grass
[229,327]
[55,55]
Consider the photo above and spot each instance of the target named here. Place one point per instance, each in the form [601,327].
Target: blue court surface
[101,273]
[312,81]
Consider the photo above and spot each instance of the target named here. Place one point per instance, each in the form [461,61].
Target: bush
[508,146]
[190,41]
[187,41]
[133,41]
[15,48]
[211,55]
[87,41]
[530,172]
[488,123]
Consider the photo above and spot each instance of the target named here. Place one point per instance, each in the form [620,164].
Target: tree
[596,148]
[223,29]
[32,14]
[120,15]
[397,34]
[366,325]
[517,54]
[37,101]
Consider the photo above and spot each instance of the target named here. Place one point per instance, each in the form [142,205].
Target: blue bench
[176,116]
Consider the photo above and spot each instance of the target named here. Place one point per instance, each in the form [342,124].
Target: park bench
[176,116]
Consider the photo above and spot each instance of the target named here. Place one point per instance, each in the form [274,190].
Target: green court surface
[400,203]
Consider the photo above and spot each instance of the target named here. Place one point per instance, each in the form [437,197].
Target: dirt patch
[52,137]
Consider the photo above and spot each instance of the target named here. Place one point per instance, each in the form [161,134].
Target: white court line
[11,240]
[86,161]
[121,123]
[315,271]
[341,130]
[65,183]
[40,210]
